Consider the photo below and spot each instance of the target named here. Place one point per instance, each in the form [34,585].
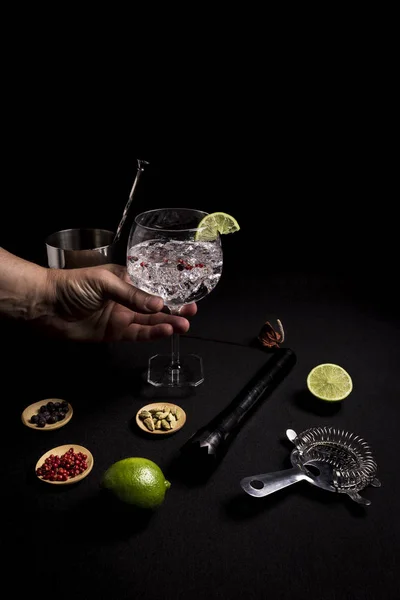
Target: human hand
[100,304]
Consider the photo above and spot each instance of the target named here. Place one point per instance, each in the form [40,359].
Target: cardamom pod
[149,423]
[144,414]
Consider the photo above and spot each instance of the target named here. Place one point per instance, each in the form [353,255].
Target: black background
[290,130]
[293,138]
[310,193]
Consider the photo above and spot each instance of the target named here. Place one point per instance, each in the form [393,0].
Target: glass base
[188,374]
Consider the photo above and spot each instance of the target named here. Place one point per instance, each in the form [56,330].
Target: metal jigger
[74,248]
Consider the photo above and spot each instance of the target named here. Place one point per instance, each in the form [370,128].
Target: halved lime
[214,224]
[329,382]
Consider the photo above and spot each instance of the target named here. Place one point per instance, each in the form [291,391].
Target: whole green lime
[137,481]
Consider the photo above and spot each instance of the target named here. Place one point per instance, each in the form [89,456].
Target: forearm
[24,288]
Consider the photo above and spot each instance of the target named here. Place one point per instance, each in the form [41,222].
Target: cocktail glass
[166,256]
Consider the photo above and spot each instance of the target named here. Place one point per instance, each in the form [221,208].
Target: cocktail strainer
[335,460]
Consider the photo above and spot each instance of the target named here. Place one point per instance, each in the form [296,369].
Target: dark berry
[180,267]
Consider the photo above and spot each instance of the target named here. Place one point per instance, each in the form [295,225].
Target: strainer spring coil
[350,456]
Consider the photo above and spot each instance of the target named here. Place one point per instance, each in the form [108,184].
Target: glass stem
[175,351]
[175,362]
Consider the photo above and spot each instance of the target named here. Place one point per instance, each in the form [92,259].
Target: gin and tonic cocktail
[168,256]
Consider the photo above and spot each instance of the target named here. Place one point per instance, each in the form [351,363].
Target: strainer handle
[268,483]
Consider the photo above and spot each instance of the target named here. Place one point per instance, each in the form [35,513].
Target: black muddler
[210,442]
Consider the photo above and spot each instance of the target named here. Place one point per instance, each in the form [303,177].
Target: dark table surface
[209,539]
